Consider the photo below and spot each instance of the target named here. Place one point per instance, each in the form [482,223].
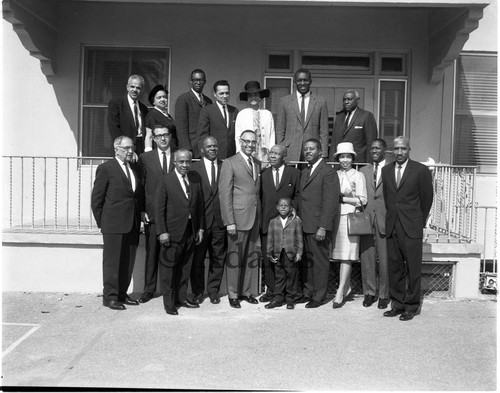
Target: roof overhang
[450,23]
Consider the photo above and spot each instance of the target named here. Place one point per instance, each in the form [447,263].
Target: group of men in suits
[225,207]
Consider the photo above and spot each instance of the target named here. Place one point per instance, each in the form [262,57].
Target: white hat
[345,148]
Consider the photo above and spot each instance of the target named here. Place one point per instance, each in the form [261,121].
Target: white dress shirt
[132,176]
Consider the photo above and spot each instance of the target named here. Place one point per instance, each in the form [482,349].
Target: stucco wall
[226,41]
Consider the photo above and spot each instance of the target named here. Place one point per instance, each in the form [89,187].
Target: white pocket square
[358,126]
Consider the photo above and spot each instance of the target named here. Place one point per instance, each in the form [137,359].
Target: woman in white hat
[256,119]
[352,195]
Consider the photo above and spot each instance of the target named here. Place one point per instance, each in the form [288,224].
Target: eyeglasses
[162,136]
[249,142]
[127,148]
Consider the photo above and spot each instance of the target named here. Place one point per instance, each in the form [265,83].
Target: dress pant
[405,266]
[243,258]
[373,248]
[287,275]
[269,268]
[215,241]
[316,266]
[152,255]
[118,263]
[175,268]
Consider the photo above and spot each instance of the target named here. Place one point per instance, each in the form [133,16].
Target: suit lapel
[310,109]
[406,173]
[315,173]
[352,121]
[285,177]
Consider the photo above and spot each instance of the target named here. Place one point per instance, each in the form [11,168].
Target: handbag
[359,223]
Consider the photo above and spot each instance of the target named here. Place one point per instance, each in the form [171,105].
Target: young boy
[284,248]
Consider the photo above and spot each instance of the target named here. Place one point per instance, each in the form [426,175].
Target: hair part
[221,82]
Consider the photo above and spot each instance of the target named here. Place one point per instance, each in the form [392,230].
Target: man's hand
[164,239]
[320,234]
[298,257]
[199,237]
[272,259]
[135,157]
[231,229]
[145,218]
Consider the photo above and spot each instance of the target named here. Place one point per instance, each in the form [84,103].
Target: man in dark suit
[318,208]
[215,236]
[218,120]
[301,116]
[354,125]
[373,248]
[408,195]
[239,190]
[126,115]
[278,181]
[180,221]
[153,165]
[117,202]
[187,112]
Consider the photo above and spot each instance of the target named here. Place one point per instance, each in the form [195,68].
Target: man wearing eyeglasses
[152,166]
[117,203]
[187,112]
[239,190]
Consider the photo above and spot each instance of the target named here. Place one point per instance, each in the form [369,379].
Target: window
[392,110]
[105,75]
[475,131]
[360,63]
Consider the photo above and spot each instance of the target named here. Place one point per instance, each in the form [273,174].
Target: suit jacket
[114,204]
[319,198]
[212,203]
[121,118]
[292,133]
[288,187]
[362,130]
[239,193]
[173,207]
[288,238]
[212,123]
[375,206]
[187,114]
[411,202]
[150,174]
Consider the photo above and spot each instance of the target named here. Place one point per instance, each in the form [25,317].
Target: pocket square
[358,126]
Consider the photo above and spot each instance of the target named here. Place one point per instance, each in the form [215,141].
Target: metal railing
[49,193]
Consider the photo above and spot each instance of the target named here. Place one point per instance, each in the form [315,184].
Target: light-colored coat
[290,131]
[375,206]
[239,192]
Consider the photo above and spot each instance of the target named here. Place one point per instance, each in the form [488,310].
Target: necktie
[303,109]
[398,176]
[251,166]
[277,178]
[346,124]
[186,185]
[225,114]
[128,174]
[375,172]
[214,180]
[136,118]
[309,169]
[202,101]
[164,168]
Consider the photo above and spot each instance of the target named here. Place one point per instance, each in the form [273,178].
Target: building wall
[222,41]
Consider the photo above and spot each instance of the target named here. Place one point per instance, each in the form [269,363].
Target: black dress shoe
[393,312]
[369,300]
[406,316]
[214,298]
[129,301]
[302,299]
[273,304]
[171,310]
[290,306]
[250,299]
[383,303]
[235,303]
[145,297]
[266,298]
[336,305]
[198,299]
[313,304]
[113,304]
[188,304]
